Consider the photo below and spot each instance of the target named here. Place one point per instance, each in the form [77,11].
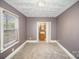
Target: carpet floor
[41,51]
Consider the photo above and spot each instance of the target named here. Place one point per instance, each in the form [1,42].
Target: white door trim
[48,30]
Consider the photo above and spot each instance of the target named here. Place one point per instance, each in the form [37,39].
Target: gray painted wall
[22,29]
[68,29]
[32,26]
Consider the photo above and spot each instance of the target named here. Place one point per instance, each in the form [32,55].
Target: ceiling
[41,8]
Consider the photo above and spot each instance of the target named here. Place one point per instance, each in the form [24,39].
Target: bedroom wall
[68,29]
[22,29]
[65,29]
[32,26]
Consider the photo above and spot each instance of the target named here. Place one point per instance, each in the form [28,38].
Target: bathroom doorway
[44,31]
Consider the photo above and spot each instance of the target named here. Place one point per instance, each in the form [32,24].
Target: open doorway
[44,31]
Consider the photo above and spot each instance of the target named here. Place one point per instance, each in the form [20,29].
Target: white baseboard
[35,41]
[52,41]
[14,52]
[67,52]
[47,41]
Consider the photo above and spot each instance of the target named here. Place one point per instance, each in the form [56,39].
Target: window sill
[9,47]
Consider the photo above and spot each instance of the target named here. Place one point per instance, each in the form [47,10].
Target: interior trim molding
[48,30]
[21,46]
[32,41]
[35,41]
[52,41]
[10,46]
[15,51]
[67,52]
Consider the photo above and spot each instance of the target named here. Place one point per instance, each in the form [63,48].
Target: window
[0,29]
[9,29]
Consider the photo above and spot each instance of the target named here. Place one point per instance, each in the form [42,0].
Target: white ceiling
[41,8]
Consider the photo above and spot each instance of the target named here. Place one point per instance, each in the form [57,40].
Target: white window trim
[2,30]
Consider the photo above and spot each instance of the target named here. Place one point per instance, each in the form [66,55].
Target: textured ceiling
[41,8]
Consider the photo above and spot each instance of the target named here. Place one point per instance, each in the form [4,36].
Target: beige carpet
[41,51]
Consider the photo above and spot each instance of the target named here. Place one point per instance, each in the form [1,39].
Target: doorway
[44,31]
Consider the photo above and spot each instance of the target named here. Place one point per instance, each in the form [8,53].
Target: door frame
[48,31]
